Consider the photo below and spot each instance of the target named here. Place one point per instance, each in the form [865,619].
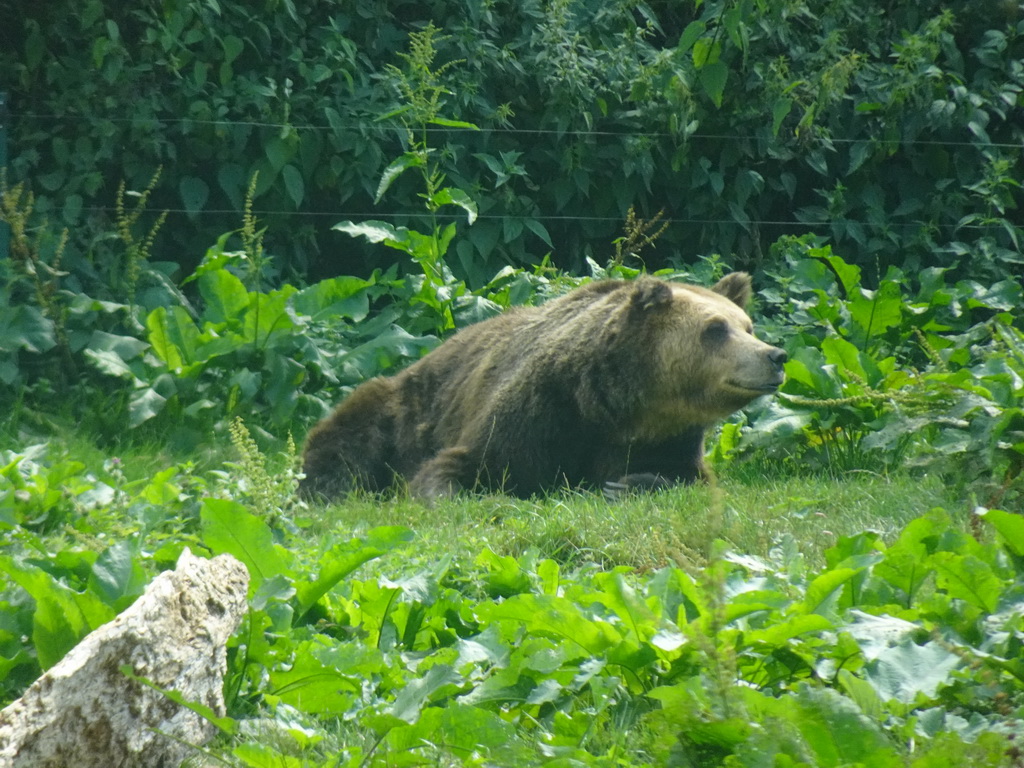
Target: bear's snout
[776,359]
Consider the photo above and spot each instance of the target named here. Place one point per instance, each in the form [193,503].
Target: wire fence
[383,127]
[401,215]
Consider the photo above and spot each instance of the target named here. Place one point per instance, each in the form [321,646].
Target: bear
[610,387]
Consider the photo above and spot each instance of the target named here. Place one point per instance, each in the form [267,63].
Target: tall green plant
[422,89]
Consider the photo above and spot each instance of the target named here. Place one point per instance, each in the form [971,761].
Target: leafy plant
[422,88]
[879,377]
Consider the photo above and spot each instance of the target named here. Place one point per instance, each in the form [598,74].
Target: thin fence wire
[371,215]
[387,128]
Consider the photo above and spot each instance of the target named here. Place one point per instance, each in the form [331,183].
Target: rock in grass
[86,712]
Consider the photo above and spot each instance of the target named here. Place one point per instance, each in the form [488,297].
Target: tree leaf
[194,194]
[690,36]
[294,184]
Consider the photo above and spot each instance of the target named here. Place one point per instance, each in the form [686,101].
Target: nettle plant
[421,87]
[877,377]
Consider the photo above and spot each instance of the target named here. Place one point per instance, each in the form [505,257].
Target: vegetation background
[220,216]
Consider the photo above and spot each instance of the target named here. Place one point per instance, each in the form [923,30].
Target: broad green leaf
[1009,526]
[160,491]
[233,47]
[505,576]
[334,298]
[713,77]
[317,687]
[125,347]
[378,232]
[690,36]
[557,618]
[397,167]
[225,295]
[62,616]
[848,274]
[110,353]
[279,152]
[843,354]
[117,576]
[231,178]
[875,634]
[268,316]
[487,648]
[25,327]
[344,558]
[417,692]
[968,578]
[636,615]
[173,336]
[229,527]
[780,110]
[706,52]
[111,364]
[539,230]
[823,592]
[908,670]
[217,257]
[877,311]
[838,733]
[778,634]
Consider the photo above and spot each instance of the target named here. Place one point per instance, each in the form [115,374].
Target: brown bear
[611,385]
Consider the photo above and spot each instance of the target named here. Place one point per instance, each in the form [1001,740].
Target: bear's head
[708,361]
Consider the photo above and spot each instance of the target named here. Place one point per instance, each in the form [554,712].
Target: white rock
[84,713]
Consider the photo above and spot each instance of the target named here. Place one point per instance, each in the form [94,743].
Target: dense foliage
[893,130]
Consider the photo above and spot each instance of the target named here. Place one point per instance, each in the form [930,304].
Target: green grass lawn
[676,527]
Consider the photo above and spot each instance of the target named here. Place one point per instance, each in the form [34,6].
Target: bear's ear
[650,292]
[735,287]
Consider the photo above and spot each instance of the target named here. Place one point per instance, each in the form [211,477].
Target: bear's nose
[777,356]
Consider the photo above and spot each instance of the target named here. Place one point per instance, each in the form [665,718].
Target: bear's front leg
[678,460]
[444,475]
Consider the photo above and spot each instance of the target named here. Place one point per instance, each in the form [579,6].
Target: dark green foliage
[881,378]
[894,132]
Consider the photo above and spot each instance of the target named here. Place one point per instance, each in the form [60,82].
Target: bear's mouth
[765,388]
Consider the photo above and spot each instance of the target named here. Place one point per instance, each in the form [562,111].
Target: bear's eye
[716,332]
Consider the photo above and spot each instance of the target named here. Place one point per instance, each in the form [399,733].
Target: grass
[754,509]
[752,514]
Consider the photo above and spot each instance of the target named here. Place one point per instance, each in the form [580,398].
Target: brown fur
[613,383]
